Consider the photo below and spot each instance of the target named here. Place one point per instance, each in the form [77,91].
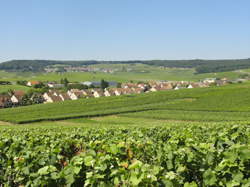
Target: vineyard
[198,137]
[231,98]
[174,155]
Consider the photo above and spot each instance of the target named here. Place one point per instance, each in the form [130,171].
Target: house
[209,80]
[138,90]
[221,82]
[75,94]
[118,91]
[166,86]
[177,87]
[17,96]
[47,97]
[194,85]
[87,93]
[54,92]
[109,92]
[71,92]
[55,98]
[5,101]
[161,86]
[129,85]
[54,85]
[51,98]
[240,80]
[93,83]
[33,83]
[64,96]
[112,83]
[98,83]
[152,84]
[143,86]
[155,88]
[87,83]
[128,91]
[98,93]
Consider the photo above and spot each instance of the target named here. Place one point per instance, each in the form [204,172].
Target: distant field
[200,104]
[139,72]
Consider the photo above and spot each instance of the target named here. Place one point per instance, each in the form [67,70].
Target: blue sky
[124,29]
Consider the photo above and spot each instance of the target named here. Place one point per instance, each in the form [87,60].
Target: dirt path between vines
[5,123]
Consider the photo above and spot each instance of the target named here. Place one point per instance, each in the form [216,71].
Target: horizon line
[189,59]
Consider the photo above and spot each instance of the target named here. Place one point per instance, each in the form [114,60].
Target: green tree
[37,99]
[119,85]
[10,92]
[40,85]
[25,100]
[65,82]
[104,84]
[22,82]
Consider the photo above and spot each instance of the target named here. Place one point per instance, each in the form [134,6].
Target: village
[51,69]
[56,92]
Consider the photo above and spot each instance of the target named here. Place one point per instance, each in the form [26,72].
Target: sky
[124,29]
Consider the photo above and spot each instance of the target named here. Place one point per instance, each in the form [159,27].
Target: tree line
[201,66]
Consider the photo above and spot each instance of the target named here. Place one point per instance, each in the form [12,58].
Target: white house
[98,93]
[17,96]
[54,85]
[14,99]
[32,83]
[51,98]
[209,80]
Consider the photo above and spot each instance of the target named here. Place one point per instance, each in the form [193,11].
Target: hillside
[190,137]
[201,66]
[231,100]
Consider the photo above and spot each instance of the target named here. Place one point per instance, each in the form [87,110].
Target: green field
[139,72]
[5,88]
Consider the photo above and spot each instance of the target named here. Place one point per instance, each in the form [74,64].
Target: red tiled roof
[3,99]
[56,98]
[65,96]
[34,82]
[19,93]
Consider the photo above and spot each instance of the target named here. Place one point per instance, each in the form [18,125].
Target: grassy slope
[5,88]
[232,98]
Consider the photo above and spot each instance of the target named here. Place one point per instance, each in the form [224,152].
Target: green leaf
[54,176]
[113,149]
[238,176]
[170,175]
[77,170]
[69,179]
[135,164]
[192,184]
[209,177]
[43,171]
[88,160]
[134,179]
[244,153]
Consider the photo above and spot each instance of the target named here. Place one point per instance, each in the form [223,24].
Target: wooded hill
[201,66]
